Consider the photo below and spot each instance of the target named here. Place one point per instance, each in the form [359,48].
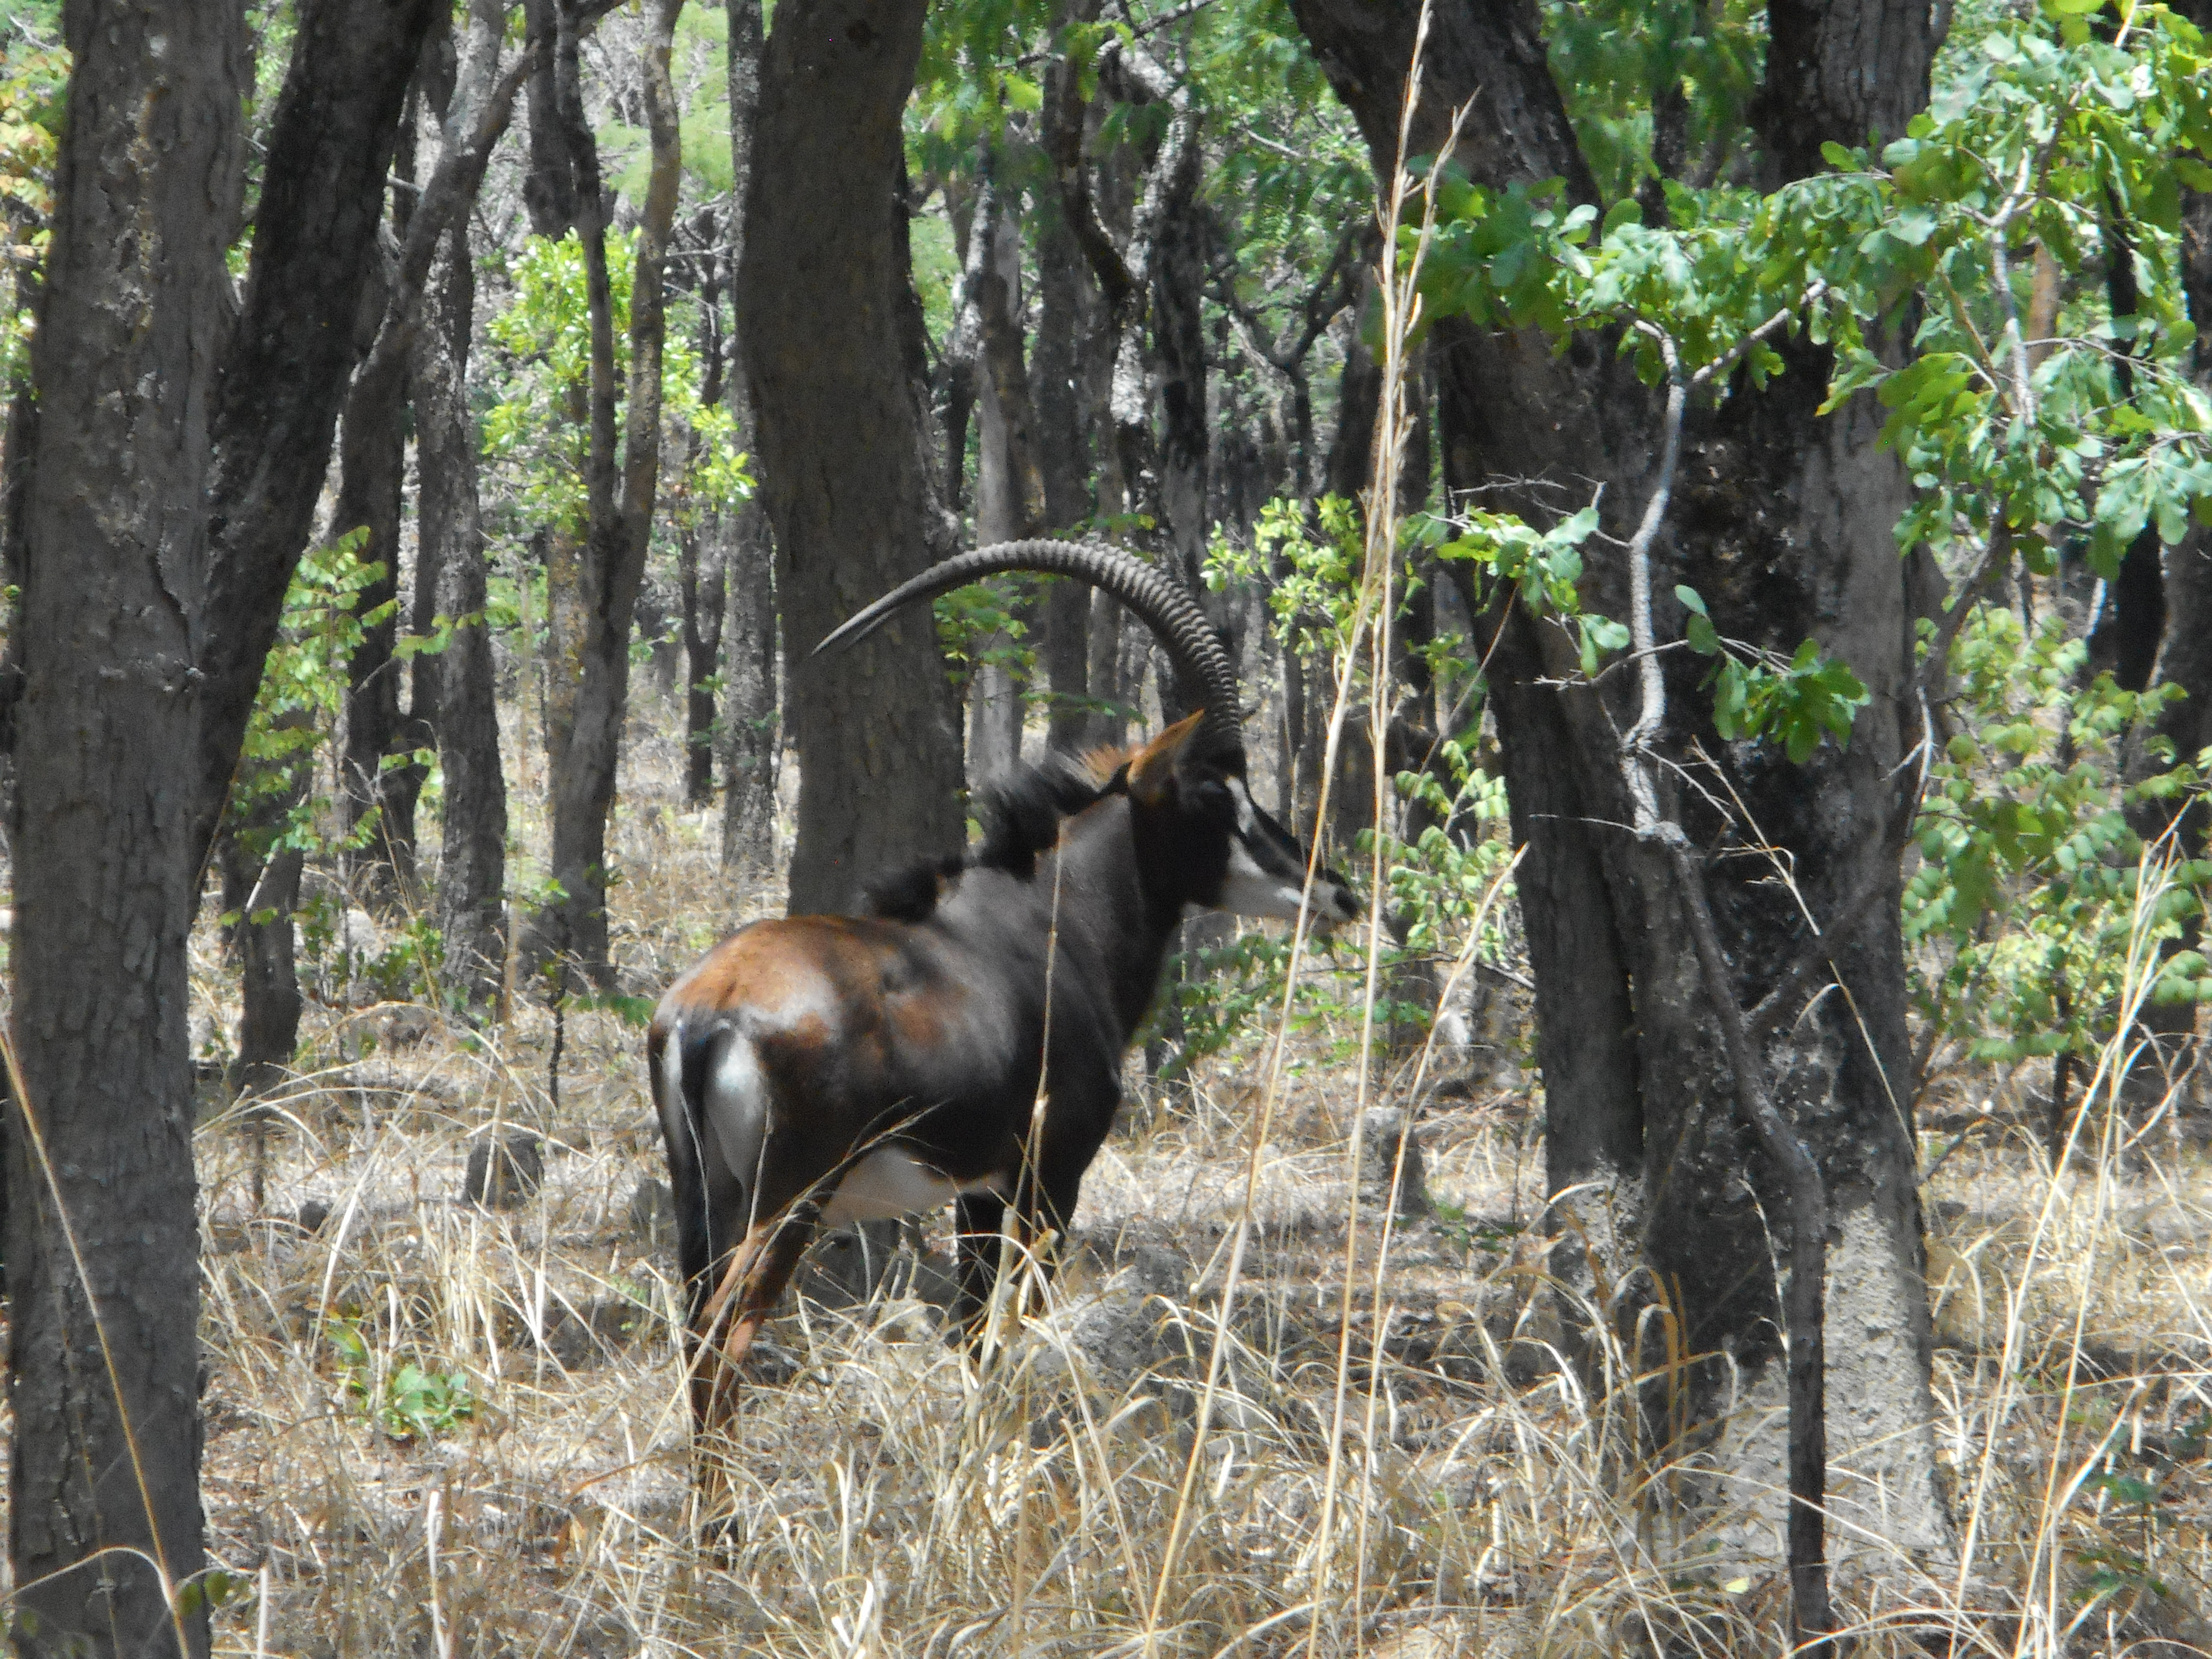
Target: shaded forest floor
[436,1428]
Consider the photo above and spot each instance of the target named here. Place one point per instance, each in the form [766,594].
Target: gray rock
[846,1266]
[1384,1131]
[312,1213]
[653,1213]
[505,1174]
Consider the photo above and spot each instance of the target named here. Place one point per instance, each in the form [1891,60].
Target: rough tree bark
[1066,305]
[1009,478]
[596,608]
[165,519]
[549,182]
[2180,579]
[372,468]
[284,373]
[458,683]
[1146,478]
[103,1264]
[1784,524]
[752,735]
[700,557]
[821,293]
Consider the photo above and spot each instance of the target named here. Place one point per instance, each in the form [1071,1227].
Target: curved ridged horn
[1158,600]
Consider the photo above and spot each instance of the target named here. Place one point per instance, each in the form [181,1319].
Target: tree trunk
[373,464]
[599,604]
[703,586]
[549,182]
[1784,524]
[103,1268]
[160,543]
[452,690]
[843,460]
[265,892]
[284,371]
[2185,659]
[472,849]
[1186,421]
[752,736]
[1066,309]
[1010,480]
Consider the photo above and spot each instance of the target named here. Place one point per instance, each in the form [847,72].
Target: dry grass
[1461,1494]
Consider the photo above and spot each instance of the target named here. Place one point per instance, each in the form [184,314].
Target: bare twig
[1636,742]
[1995,559]
[1721,365]
[1803,1302]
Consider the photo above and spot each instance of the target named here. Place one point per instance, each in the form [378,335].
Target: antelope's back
[825,1030]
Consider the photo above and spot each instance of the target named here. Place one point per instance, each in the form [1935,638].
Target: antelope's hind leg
[720,1334]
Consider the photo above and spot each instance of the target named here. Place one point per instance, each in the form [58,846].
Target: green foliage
[1613,59]
[295,711]
[535,436]
[33,80]
[2031,879]
[1439,882]
[1796,699]
[401,1399]
[1308,568]
[1471,1233]
[2035,138]
[979,624]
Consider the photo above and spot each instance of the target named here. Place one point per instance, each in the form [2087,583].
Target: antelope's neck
[1127,919]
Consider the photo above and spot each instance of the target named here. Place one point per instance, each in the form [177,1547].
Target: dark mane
[1020,812]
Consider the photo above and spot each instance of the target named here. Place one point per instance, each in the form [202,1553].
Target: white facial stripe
[1247,814]
[1249,890]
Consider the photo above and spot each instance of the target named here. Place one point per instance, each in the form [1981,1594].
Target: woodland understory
[1707,503]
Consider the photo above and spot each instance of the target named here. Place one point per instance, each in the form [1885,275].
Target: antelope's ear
[1152,769]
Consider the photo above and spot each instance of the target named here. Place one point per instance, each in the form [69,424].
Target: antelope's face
[1265,874]
[1226,852]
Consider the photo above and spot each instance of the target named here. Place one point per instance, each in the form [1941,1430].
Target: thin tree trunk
[1065,317]
[102,1247]
[452,690]
[473,851]
[1186,454]
[701,569]
[752,733]
[829,361]
[549,182]
[599,602]
[1009,483]
[373,460]
[264,892]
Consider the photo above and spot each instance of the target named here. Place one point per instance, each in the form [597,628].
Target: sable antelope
[828,1069]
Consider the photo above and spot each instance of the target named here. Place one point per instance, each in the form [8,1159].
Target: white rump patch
[737,1110]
